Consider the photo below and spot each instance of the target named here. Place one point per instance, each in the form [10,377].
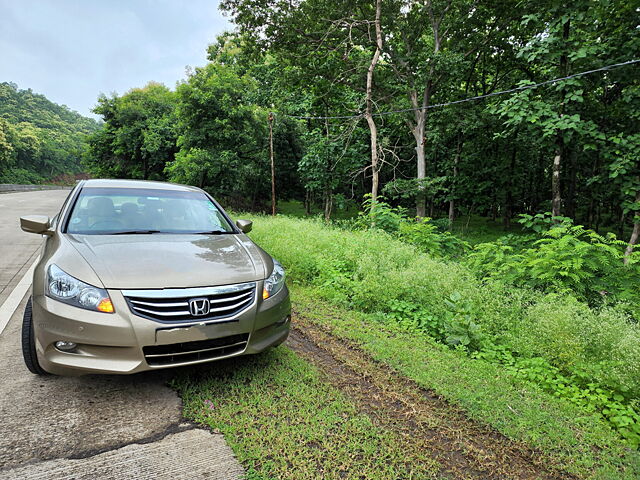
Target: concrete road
[93,426]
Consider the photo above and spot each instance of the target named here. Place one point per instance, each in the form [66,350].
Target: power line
[470,99]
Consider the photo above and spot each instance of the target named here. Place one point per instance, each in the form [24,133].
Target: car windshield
[114,211]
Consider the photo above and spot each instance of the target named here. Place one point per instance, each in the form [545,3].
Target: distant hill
[39,140]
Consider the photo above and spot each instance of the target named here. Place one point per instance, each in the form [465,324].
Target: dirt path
[464,448]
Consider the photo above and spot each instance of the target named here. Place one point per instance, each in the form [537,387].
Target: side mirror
[245,226]
[36,224]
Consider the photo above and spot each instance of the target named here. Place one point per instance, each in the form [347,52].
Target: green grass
[479,229]
[571,438]
[283,422]
[370,272]
[295,208]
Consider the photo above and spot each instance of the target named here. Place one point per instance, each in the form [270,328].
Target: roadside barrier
[9,187]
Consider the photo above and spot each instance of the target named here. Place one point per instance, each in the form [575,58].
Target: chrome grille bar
[195,352]
[158,355]
[189,292]
[150,304]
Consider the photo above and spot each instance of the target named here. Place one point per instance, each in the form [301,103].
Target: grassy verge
[570,437]
[283,422]
[394,284]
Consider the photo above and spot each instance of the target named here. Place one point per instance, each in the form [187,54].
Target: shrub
[20,176]
[421,232]
[568,260]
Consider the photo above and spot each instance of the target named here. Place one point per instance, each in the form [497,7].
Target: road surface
[92,426]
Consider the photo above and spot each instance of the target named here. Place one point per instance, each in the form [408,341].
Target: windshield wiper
[212,232]
[135,232]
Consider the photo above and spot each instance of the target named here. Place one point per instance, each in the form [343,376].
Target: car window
[120,210]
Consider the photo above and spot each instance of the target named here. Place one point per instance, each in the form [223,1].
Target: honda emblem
[199,307]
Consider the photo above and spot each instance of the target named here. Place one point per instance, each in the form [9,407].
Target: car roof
[112,183]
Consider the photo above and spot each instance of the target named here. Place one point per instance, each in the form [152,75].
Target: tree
[338,59]
[368,113]
[139,134]
[222,136]
[6,148]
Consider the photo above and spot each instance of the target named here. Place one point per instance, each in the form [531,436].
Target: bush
[421,232]
[568,260]
[20,176]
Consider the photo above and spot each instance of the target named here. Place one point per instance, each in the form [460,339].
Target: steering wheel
[106,224]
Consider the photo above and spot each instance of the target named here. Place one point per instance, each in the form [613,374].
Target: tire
[29,343]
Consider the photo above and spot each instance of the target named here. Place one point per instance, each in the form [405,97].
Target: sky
[73,50]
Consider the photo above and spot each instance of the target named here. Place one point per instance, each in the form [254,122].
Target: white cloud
[73,50]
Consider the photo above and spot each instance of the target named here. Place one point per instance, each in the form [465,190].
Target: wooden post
[273,166]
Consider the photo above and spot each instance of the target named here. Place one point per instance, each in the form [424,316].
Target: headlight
[67,289]
[275,282]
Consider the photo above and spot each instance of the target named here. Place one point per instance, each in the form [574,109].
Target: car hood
[170,260]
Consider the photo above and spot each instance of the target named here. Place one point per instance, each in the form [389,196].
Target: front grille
[194,351]
[175,305]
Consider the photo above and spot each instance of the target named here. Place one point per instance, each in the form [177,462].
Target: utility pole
[273,166]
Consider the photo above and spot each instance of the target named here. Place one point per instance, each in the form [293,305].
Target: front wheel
[29,342]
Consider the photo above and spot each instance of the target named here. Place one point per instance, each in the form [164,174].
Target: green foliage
[460,324]
[617,407]
[421,232]
[373,272]
[413,318]
[139,134]
[542,222]
[224,137]
[567,259]
[20,176]
[39,140]
[457,327]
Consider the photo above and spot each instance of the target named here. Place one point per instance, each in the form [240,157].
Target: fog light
[65,346]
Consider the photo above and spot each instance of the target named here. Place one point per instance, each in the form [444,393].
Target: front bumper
[125,343]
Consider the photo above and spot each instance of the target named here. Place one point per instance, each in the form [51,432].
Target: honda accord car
[136,275]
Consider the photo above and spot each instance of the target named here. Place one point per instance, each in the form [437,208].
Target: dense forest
[39,140]
[567,147]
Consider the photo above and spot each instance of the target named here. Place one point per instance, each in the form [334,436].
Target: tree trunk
[328,205]
[452,202]
[508,210]
[556,199]
[421,115]
[635,234]
[273,166]
[373,130]
[571,191]
[418,134]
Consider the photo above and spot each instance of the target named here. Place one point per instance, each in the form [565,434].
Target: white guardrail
[9,187]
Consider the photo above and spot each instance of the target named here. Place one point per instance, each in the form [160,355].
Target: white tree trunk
[556,200]
[634,235]
[373,130]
